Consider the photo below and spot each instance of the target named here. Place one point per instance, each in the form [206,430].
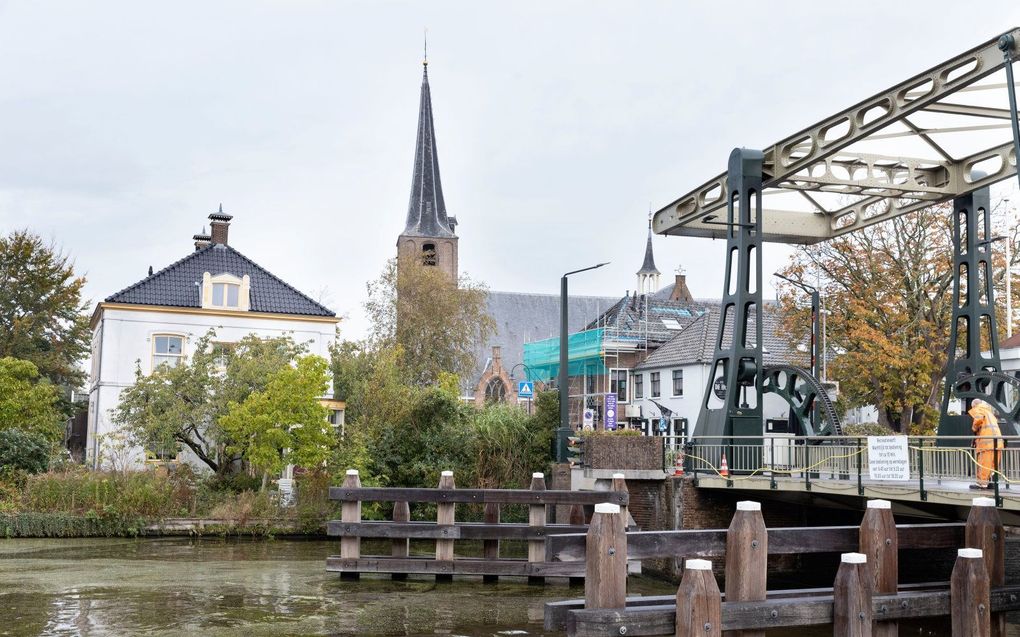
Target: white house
[675,377]
[159,319]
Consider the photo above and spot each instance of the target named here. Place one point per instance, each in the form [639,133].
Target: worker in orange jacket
[988,442]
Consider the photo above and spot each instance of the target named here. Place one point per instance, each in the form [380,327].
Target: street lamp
[815,305]
[528,376]
[564,429]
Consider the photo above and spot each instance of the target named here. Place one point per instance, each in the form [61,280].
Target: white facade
[124,337]
[687,404]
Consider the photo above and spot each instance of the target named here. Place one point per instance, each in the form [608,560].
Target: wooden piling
[536,518]
[605,583]
[970,595]
[490,548]
[445,515]
[350,547]
[401,546]
[698,602]
[984,531]
[879,542]
[851,597]
[747,547]
[576,518]
[620,485]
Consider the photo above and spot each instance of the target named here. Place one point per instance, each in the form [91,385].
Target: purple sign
[611,412]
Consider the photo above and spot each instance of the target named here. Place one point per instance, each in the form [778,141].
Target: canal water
[250,588]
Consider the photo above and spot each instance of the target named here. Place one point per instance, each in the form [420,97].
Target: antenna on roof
[425,61]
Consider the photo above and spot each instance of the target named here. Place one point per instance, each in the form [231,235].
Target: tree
[24,451]
[888,291]
[42,315]
[28,402]
[284,423]
[437,323]
[182,404]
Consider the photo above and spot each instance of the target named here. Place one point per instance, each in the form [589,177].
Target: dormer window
[225,291]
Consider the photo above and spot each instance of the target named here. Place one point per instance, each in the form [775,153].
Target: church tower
[428,237]
[648,275]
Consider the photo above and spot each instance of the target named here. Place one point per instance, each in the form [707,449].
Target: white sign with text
[887,458]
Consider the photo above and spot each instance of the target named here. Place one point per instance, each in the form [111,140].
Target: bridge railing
[932,460]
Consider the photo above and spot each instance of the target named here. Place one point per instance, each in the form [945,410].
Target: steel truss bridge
[943,135]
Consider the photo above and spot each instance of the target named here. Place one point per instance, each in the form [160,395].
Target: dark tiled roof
[426,211]
[179,284]
[523,318]
[696,343]
[626,319]
[648,266]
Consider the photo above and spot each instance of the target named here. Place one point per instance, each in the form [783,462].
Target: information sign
[887,458]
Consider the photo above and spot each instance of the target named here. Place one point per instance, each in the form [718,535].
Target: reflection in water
[101,587]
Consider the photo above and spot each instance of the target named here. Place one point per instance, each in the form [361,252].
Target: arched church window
[495,391]
[428,254]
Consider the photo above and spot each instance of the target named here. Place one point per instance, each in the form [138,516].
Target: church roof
[653,319]
[426,211]
[648,267]
[179,284]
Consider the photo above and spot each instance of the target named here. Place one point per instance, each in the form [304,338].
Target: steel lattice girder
[853,169]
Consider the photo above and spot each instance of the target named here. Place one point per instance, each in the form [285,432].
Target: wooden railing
[446,531]
[865,598]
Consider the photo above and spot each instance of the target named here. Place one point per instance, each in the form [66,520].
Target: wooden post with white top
[879,541]
[970,595]
[605,582]
[350,547]
[698,602]
[851,597]
[445,516]
[747,548]
[536,518]
[985,531]
[401,547]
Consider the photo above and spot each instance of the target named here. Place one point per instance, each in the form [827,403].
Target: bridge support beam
[973,308]
[733,401]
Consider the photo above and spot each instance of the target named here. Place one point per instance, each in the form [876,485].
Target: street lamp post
[816,339]
[528,375]
[564,379]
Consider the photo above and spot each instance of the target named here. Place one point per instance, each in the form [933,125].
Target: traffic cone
[724,470]
[678,466]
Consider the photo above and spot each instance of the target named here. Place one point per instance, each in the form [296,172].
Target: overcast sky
[124,124]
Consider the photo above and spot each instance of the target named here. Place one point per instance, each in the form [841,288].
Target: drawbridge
[943,135]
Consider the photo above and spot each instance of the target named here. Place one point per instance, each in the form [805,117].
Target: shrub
[24,450]
[867,429]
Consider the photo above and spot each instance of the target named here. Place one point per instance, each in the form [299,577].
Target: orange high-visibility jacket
[985,426]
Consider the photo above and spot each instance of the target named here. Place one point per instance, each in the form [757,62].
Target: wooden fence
[865,599]
[446,531]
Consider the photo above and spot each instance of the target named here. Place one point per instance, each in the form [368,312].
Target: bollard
[851,597]
[984,531]
[490,548]
[401,547]
[445,516]
[605,563]
[880,543]
[698,602]
[970,595]
[350,511]
[747,548]
[536,518]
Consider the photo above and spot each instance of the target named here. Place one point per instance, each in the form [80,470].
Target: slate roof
[626,317]
[696,343]
[648,266]
[179,284]
[522,317]
[426,211]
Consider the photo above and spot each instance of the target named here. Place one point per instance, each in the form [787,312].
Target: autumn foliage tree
[888,292]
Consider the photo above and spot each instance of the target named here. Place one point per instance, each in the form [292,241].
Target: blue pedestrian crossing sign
[526,389]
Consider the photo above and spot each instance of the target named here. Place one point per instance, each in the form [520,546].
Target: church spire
[648,275]
[426,212]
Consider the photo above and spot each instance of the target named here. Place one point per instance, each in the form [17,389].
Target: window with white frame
[618,384]
[167,349]
[639,385]
[226,291]
[655,384]
[678,382]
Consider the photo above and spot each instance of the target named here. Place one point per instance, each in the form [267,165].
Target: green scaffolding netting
[584,355]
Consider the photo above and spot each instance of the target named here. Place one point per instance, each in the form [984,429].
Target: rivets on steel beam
[623,630]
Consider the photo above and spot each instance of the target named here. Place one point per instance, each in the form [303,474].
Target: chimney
[219,225]
[201,240]
[680,291]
